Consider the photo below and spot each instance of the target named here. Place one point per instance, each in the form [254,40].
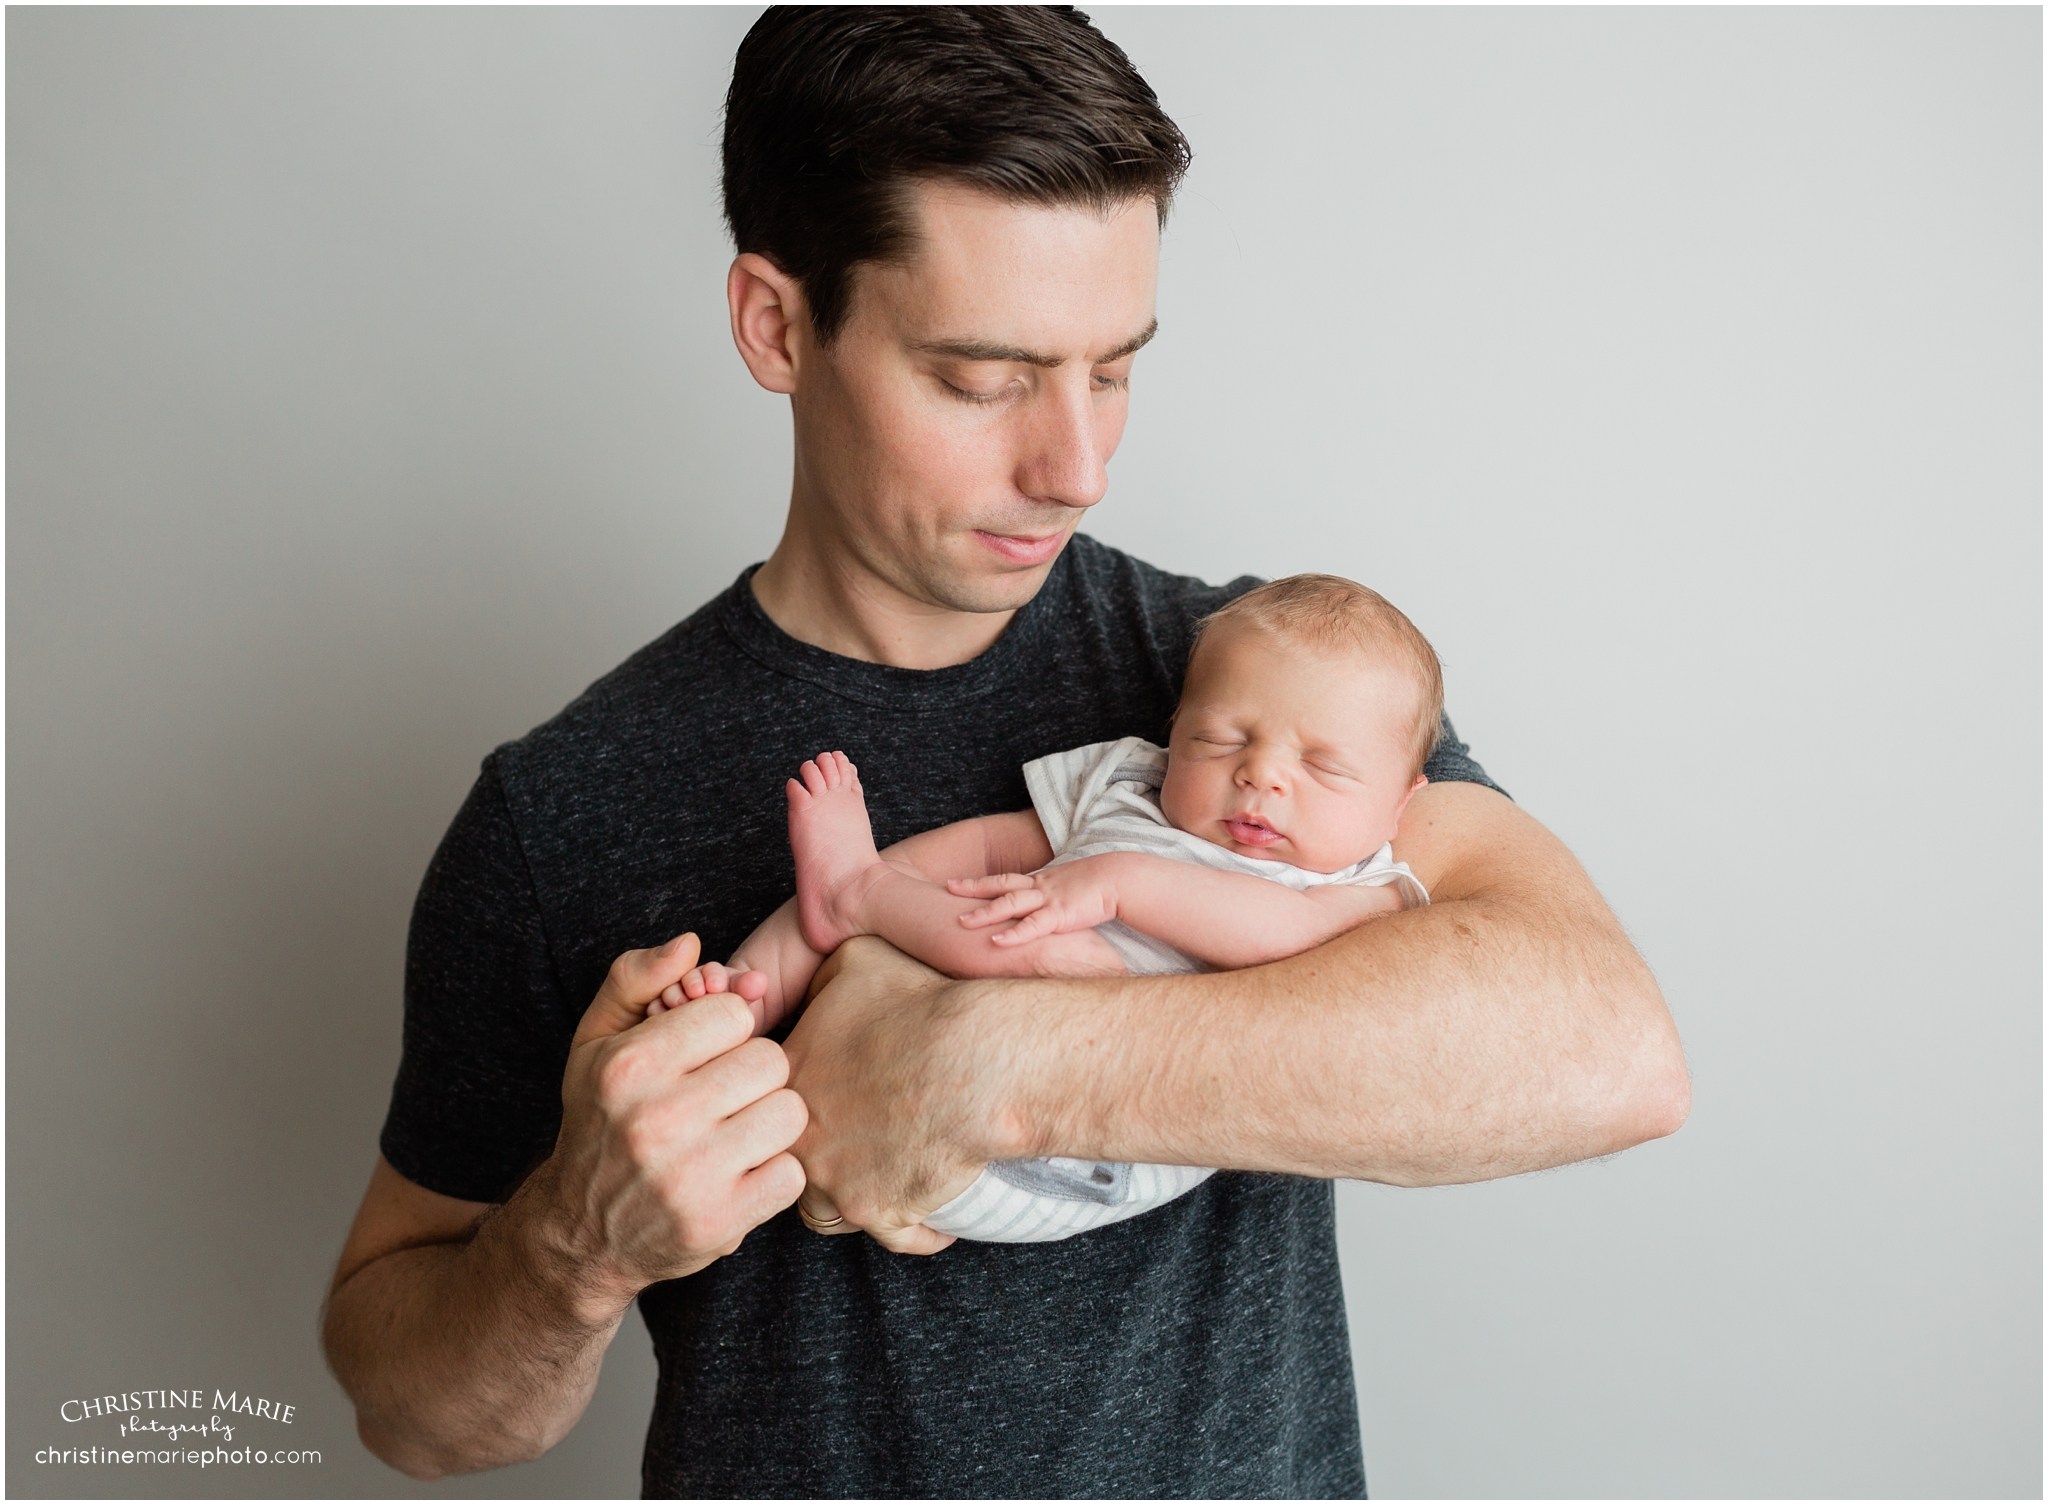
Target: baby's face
[1287,752]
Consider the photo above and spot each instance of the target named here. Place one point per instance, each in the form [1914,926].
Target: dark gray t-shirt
[1199,1350]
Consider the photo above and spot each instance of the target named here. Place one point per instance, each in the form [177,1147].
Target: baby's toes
[814,776]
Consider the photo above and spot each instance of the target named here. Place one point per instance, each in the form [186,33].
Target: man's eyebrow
[1133,345]
[989,350]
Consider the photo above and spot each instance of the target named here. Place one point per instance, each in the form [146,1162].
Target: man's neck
[831,601]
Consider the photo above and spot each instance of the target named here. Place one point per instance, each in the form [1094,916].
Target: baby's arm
[1225,919]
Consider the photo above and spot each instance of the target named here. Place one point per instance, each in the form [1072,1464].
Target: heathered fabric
[1200,1350]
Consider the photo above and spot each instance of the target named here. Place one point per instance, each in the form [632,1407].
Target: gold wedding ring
[817,1225]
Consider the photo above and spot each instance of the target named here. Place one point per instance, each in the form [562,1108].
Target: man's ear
[1402,808]
[770,321]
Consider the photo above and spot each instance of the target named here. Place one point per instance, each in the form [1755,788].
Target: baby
[1309,708]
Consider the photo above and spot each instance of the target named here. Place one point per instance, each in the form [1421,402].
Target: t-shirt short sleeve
[477,1102]
[1453,763]
[1055,783]
[1067,787]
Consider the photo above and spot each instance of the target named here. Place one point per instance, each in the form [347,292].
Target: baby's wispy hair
[1330,612]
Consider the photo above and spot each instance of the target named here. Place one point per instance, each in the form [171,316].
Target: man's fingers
[732,1080]
[636,979]
[916,1239]
[684,1039]
[819,1215]
[765,1128]
[768,1188]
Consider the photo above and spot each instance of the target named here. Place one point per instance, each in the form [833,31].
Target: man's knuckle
[640,1139]
[701,1228]
[618,1076]
[764,1061]
[781,1118]
[723,1016]
[785,1180]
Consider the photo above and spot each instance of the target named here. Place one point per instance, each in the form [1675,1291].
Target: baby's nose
[1262,773]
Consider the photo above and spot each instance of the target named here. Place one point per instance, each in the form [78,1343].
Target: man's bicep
[1467,841]
[477,1100]
[400,1214]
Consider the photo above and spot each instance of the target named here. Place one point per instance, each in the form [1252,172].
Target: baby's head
[1310,707]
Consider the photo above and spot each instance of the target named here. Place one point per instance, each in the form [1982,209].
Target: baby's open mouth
[1251,831]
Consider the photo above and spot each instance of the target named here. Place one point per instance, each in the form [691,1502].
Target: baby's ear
[1402,808]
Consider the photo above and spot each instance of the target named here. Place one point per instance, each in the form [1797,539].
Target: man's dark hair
[836,111]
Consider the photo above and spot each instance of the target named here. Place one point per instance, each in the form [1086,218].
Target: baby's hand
[1053,901]
[712,977]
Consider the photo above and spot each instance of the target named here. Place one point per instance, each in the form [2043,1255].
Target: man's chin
[986,591]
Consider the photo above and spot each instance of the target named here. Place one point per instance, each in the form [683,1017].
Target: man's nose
[1065,462]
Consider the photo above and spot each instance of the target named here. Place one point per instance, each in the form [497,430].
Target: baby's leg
[845,889]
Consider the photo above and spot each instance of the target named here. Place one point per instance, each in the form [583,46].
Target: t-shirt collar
[754,632]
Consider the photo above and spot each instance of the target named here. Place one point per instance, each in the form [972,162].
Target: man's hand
[675,1134]
[894,1133]
[1071,896]
[470,1336]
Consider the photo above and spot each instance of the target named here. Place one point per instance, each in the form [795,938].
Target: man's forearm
[468,1355]
[1507,1028]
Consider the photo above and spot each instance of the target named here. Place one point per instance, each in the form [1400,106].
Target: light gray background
[1679,371]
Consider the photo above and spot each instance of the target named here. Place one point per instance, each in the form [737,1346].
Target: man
[948,233]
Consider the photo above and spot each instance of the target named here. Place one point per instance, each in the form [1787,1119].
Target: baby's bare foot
[749,984]
[834,848]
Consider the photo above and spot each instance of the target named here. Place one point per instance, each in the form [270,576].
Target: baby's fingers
[1008,907]
[1030,928]
[989,887]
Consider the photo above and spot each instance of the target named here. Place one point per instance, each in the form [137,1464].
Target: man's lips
[1251,831]
[1021,548]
